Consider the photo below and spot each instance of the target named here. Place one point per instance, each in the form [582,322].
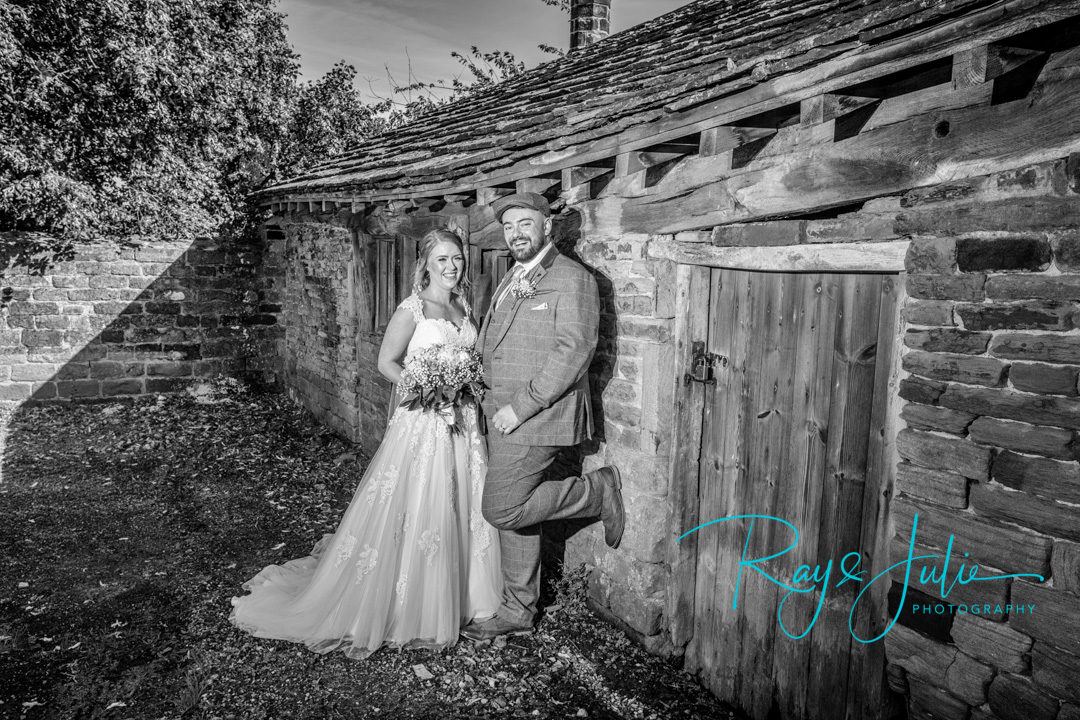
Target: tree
[143,119]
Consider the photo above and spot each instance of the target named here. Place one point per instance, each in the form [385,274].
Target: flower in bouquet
[442,378]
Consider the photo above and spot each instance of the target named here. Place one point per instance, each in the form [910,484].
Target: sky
[374,34]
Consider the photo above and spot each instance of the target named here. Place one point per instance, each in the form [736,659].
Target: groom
[538,339]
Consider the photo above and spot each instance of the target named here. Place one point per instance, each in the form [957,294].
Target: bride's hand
[505,420]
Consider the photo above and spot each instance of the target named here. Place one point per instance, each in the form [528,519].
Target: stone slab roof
[660,69]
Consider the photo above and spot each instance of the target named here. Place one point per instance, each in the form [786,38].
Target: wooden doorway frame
[694,263]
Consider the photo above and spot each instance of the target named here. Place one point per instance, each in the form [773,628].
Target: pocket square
[541,306]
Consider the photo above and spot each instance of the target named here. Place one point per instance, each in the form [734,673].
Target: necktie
[509,284]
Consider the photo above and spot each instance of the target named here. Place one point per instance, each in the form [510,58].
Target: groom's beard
[528,252]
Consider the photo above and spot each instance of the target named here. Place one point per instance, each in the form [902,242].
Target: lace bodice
[432,331]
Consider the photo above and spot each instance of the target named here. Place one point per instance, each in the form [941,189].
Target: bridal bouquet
[442,378]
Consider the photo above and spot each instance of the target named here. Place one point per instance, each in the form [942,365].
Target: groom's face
[526,232]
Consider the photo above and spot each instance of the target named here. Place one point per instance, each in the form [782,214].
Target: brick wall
[990,450]
[120,320]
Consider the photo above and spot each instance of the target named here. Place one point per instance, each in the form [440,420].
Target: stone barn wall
[990,451]
[121,320]
[329,360]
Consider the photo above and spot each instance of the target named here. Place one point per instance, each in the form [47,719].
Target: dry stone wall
[990,450]
[330,362]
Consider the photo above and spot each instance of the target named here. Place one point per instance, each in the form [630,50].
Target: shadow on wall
[121,321]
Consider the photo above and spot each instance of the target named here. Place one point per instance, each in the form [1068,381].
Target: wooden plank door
[792,429]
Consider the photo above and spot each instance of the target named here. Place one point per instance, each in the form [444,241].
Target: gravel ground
[126,527]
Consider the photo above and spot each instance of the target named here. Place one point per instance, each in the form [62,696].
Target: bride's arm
[395,342]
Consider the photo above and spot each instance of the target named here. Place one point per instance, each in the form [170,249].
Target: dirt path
[125,528]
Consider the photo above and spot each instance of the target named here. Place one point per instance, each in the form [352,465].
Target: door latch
[703,364]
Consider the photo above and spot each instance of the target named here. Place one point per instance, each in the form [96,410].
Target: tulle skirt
[411,560]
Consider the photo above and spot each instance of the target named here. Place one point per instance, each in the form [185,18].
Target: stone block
[42,338]
[1055,670]
[1029,315]
[1048,379]
[1039,514]
[125,268]
[931,255]
[968,679]
[1002,254]
[1066,246]
[1023,437]
[647,533]
[929,312]
[54,322]
[1053,619]
[1065,566]
[78,388]
[946,287]
[49,295]
[928,417]
[938,486]
[121,387]
[956,368]
[17,391]
[1060,288]
[928,700]
[70,281]
[169,369]
[937,452]
[948,340]
[33,371]
[44,391]
[644,616]
[987,541]
[1003,403]
[994,643]
[641,473]
[918,654]
[1013,697]
[920,390]
[1051,479]
[107,281]
[1052,348]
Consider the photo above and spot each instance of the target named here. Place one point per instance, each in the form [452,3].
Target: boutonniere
[523,288]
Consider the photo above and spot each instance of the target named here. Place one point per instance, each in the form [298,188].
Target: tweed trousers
[517,499]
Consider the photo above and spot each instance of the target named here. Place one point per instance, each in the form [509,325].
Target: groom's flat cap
[529,200]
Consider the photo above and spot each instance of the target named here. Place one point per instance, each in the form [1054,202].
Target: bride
[412,558]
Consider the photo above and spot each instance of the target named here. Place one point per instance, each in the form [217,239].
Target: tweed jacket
[537,352]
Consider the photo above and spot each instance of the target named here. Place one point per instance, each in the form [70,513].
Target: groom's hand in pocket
[505,420]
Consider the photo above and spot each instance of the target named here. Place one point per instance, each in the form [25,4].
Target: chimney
[590,20]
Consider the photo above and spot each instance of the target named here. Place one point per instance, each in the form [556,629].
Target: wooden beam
[580,184]
[536,184]
[918,152]
[821,257]
[829,106]
[985,62]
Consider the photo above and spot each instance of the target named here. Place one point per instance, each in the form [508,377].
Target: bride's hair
[427,244]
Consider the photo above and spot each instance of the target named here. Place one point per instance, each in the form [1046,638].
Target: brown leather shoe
[612,512]
[492,628]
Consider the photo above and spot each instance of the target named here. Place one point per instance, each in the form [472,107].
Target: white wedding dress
[412,558]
